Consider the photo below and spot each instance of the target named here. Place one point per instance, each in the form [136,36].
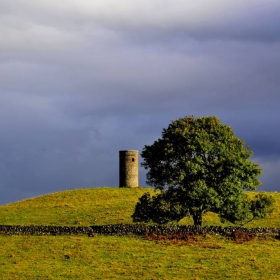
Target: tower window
[132,159]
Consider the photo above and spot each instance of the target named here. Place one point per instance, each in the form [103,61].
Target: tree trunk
[197,218]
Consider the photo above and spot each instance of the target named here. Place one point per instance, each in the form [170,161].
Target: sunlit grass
[99,206]
[111,257]
[96,206]
[126,257]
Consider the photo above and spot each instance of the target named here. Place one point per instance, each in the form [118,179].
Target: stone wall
[120,229]
[45,230]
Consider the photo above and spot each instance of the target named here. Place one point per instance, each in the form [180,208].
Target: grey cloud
[270,175]
[52,25]
[80,81]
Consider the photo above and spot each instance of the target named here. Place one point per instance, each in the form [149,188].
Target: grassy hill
[94,206]
[97,206]
[125,257]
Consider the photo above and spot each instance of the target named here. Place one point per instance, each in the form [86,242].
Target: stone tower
[128,169]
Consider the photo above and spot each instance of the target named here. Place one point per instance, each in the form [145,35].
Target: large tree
[199,165]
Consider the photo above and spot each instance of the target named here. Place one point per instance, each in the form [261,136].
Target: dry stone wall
[45,230]
[120,229]
[138,229]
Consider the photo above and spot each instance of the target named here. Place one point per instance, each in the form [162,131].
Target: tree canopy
[199,165]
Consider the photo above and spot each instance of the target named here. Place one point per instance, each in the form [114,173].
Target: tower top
[129,151]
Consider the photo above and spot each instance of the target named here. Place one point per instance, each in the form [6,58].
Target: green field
[126,257]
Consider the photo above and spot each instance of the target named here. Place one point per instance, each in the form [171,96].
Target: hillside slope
[92,206]
[96,206]
[123,257]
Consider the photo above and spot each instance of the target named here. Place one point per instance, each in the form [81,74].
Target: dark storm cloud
[81,80]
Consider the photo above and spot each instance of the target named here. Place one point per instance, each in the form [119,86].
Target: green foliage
[262,205]
[202,166]
[161,208]
[244,209]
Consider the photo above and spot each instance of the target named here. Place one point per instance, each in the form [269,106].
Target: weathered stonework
[128,169]
[137,229]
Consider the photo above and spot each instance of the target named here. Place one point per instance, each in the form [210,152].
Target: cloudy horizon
[81,80]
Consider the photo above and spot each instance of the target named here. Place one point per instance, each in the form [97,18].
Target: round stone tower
[128,169]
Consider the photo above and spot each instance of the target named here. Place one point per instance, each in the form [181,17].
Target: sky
[81,80]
